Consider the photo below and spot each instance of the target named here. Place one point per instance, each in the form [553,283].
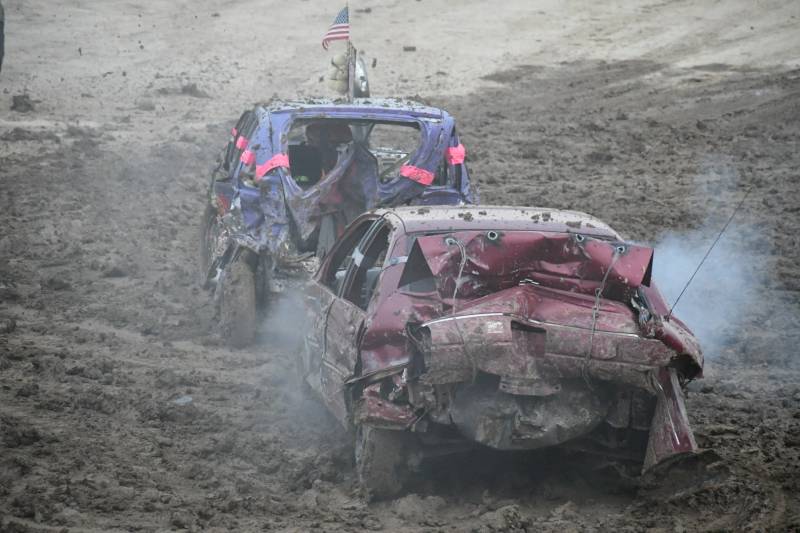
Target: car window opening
[417,276]
[318,146]
[337,268]
[369,269]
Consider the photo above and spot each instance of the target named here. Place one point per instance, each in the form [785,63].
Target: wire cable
[724,228]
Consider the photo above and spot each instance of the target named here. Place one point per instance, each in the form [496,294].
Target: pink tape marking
[278,160]
[420,175]
[234,132]
[241,143]
[248,158]
[455,155]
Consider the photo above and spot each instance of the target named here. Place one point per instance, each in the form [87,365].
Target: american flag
[339,30]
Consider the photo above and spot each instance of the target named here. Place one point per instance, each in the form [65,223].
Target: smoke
[735,305]
[286,321]
[718,299]
[281,335]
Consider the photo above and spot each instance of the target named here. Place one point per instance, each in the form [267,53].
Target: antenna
[725,227]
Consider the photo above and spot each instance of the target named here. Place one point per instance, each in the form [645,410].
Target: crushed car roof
[379,105]
[419,219]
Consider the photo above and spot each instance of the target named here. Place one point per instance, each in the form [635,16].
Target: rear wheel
[237,304]
[382,461]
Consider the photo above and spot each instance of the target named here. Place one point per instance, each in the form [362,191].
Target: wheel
[382,461]
[237,304]
[209,231]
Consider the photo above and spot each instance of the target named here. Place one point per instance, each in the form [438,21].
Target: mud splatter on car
[430,331]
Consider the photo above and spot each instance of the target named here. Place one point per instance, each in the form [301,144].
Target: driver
[326,136]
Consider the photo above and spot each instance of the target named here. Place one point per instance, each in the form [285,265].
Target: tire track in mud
[127,385]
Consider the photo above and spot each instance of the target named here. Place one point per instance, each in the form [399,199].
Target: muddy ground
[120,410]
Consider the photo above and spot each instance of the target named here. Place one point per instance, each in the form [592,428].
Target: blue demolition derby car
[294,174]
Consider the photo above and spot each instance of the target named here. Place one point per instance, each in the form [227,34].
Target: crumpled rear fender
[273,233]
[257,220]
[233,239]
[671,436]
[373,410]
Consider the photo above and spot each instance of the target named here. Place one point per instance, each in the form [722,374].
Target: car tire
[237,304]
[381,457]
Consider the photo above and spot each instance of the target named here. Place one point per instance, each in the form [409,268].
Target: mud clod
[57,284]
[7,325]
[191,89]
[22,103]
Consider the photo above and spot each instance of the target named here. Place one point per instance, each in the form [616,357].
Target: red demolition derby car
[512,328]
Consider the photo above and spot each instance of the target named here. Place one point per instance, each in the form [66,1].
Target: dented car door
[318,367]
[345,319]
[318,300]
[341,353]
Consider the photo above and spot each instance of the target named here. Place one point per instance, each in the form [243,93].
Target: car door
[346,316]
[320,294]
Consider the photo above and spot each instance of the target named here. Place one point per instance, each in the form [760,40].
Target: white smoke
[734,305]
[285,323]
[717,301]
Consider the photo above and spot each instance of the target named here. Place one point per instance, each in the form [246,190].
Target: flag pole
[351,71]
[351,60]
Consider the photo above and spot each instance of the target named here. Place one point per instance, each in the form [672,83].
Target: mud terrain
[119,408]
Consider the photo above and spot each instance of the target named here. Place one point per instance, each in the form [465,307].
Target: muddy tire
[237,304]
[381,461]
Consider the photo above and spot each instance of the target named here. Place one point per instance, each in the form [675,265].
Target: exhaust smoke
[735,305]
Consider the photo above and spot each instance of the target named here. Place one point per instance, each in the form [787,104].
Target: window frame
[333,261]
[357,266]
